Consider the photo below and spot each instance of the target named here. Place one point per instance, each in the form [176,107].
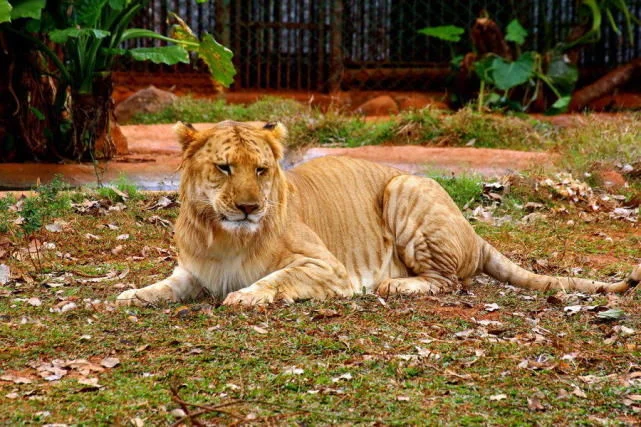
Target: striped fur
[330,227]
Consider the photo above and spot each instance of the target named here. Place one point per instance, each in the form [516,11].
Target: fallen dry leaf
[293,370]
[345,377]
[491,307]
[5,274]
[178,413]
[91,383]
[259,329]
[162,203]
[324,313]
[110,362]
[534,404]
[15,379]
[579,393]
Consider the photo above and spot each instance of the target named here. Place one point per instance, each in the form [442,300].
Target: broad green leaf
[88,11]
[507,75]
[113,51]
[493,98]
[27,9]
[562,104]
[450,33]
[168,55]
[136,33]
[562,74]
[117,4]
[33,26]
[181,30]
[61,36]
[515,32]
[218,59]
[483,68]
[5,11]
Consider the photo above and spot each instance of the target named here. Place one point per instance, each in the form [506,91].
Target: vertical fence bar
[336,49]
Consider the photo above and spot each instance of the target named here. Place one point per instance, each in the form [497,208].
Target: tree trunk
[91,116]
[28,112]
[605,85]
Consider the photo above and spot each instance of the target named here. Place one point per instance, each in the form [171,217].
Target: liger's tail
[501,268]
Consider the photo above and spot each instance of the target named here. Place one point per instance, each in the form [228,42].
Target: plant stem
[480,101]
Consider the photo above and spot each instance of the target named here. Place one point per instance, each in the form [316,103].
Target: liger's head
[230,170]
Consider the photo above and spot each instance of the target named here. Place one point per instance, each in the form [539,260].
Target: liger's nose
[247,208]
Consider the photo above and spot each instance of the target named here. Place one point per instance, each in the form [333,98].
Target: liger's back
[341,199]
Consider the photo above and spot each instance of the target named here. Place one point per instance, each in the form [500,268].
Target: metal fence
[323,45]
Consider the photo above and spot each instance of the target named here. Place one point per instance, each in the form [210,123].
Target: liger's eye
[226,169]
[261,171]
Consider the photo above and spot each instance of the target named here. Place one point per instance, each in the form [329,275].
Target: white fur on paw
[248,298]
[406,286]
[130,297]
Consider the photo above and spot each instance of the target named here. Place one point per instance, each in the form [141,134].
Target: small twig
[268,419]
[204,409]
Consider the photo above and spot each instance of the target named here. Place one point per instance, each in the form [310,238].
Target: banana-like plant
[80,41]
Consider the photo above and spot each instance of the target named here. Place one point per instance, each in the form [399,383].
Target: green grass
[195,110]
[213,355]
[463,189]
[115,190]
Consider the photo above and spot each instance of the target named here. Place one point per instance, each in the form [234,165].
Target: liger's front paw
[248,298]
[129,297]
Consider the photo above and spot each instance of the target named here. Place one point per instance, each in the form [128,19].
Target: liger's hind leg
[413,286]
[433,239]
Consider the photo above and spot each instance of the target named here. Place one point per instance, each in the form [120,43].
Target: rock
[416,101]
[148,100]
[379,106]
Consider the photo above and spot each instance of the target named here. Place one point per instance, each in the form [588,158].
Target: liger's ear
[186,133]
[276,134]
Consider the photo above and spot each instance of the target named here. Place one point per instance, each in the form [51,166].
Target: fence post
[336,47]
[222,21]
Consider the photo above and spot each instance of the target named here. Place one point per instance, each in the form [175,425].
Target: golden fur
[251,233]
